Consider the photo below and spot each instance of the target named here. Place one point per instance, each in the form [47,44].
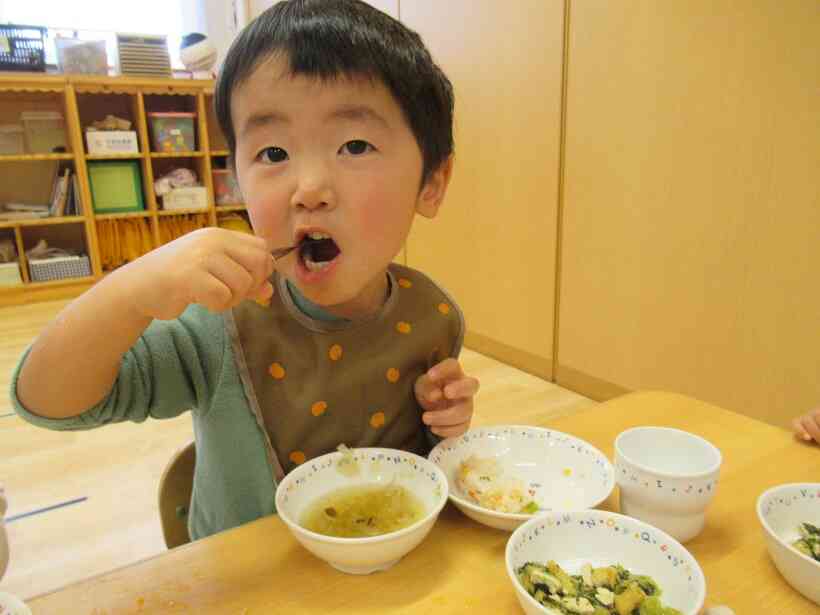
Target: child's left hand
[446,395]
[808,427]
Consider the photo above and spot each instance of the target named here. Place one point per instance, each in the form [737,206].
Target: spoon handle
[280,252]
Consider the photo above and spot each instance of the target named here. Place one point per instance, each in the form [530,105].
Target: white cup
[667,478]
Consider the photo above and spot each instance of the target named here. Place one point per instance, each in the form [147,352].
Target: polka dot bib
[314,384]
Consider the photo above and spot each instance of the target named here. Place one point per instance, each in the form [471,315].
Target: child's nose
[314,191]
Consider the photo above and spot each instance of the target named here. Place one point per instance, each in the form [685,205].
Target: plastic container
[45,131]
[226,188]
[12,139]
[81,57]
[111,142]
[22,48]
[173,132]
[10,276]
[60,268]
[190,197]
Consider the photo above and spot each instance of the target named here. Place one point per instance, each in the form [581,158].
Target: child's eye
[357,147]
[273,155]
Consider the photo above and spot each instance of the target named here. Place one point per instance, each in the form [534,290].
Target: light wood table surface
[459,568]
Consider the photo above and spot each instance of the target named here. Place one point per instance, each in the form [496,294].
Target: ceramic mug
[667,478]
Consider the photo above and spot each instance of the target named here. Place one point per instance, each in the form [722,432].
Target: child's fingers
[452,431]
[446,371]
[252,254]
[447,417]
[239,280]
[212,293]
[461,389]
[810,425]
[799,431]
[427,392]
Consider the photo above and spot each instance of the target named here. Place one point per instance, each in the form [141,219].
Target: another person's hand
[446,395]
[213,267]
[807,427]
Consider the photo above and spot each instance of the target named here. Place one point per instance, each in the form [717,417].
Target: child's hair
[331,38]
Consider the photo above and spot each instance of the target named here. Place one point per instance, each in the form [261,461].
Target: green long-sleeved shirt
[189,364]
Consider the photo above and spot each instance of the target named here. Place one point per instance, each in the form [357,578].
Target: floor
[82,503]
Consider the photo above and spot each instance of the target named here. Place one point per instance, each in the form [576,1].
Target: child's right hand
[214,267]
[807,427]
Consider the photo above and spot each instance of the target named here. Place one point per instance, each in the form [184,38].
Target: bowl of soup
[362,510]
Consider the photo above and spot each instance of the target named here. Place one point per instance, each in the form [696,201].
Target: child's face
[336,160]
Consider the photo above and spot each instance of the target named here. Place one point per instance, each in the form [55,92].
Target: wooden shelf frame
[75,91]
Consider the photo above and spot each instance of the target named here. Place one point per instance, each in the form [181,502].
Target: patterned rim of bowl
[770,498]
[547,434]
[295,479]
[621,526]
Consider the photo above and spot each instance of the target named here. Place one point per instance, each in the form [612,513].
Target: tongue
[321,250]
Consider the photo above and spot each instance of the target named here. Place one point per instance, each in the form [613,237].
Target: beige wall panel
[493,244]
[691,241]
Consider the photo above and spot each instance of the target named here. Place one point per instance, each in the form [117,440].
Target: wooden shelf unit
[83,99]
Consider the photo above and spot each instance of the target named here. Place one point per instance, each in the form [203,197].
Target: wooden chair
[175,489]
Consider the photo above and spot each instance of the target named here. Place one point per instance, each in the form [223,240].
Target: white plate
[602,538]
[559,471]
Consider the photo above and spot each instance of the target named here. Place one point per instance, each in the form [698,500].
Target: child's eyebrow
[359,113]
[259,120]
[352,112]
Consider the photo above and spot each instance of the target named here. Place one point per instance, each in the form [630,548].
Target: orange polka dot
[393,375]
[405,283]
[335,352]
[319,408]
[404,327]
[297,457]
[377,420]
[277,371]
[444,308]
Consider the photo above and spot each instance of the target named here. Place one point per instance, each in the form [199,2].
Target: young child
[807,427]
[340,131]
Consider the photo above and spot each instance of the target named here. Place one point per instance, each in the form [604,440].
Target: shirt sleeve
[172,368]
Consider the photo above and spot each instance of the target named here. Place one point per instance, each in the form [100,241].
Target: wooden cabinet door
[493,244]
[691,222]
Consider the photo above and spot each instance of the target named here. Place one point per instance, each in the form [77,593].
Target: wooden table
[459,568]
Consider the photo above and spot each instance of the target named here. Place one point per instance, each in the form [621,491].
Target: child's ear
[434,189]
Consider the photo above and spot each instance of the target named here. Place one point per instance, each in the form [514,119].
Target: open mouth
[317,251]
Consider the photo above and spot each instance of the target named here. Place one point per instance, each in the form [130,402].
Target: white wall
[391,7]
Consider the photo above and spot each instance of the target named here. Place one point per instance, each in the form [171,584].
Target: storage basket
[226,187]
[22,48]
[10,274]
[45,131]
[173,132]
[60,268]
[12,141]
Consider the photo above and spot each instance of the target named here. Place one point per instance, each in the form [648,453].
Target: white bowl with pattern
[559,471]
[376,466]
[602,538]
[781,510]
[667,478]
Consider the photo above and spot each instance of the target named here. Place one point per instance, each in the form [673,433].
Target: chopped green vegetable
[809,543]
[610,590]
[530,509]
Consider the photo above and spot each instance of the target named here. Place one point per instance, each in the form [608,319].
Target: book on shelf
[10,216]
[60,191]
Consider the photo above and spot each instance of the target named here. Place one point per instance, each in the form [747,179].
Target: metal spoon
[282,252]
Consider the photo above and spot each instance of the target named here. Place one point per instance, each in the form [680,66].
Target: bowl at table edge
[376,466]
[780,510]
[602,538]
